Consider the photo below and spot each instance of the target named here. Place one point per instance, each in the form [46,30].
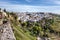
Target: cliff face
[6,32]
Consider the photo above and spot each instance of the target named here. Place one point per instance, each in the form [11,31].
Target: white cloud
[29,8]
[55,2]
[28,0]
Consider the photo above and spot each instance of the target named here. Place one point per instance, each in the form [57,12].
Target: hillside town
[38,26]
[33,16]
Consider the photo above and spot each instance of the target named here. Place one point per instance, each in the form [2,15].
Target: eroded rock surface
[6,32]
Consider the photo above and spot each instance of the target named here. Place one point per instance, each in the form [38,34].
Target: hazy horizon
[31,5]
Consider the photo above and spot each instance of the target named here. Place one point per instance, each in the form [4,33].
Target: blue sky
[31,5]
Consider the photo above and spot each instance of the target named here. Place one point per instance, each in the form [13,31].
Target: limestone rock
[6,32]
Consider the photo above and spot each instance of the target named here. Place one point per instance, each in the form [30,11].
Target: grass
[21,35]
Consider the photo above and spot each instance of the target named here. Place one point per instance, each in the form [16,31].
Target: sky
[31,5]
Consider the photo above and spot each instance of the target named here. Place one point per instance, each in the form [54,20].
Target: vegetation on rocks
[45,28]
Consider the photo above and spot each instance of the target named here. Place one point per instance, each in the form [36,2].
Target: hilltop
[32,26]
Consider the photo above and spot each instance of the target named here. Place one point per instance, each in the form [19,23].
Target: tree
[0,8]
[4,10]
[46,26]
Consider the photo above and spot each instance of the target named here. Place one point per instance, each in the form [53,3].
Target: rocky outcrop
[6,32]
